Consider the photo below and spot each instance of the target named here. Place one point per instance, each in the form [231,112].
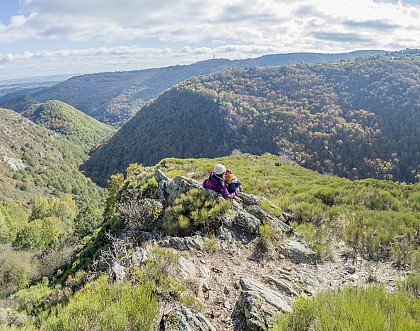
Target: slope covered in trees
[356,119]
[75,125]
[114,97]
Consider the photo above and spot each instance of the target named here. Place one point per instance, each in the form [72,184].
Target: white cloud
[193,29]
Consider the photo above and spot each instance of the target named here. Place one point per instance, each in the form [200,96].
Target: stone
[204,271]
[247,223]
[118,272]
[187,268]
[300,253]
[355,277]
[175,243]
[248,199]
[350,269]
[286,287]
[195,242]
[160,176]
[169,190]
[181,318]
[257,314]
[270,296]
[258,212]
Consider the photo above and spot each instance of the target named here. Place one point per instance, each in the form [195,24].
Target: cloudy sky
[48,37]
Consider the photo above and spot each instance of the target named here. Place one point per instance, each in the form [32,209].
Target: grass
[104,306]
[353,309]
[378,219]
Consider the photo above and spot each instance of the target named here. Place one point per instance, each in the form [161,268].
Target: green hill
[355,119]
[75,125]
[36,160]
[114,97]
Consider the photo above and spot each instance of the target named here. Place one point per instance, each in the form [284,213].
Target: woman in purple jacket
[217,183]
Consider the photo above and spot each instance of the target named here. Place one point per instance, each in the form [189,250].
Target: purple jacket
[219,185]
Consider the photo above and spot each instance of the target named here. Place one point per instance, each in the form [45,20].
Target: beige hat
[219,169]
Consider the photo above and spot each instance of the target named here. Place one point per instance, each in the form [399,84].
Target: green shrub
[140,214]
[104,306]
[382,234]
[414,200]
[211,243]
[411,284]
[160,272]
[16,270]
[268,234]
[12,219]
[307,212]
[196,210]
[355,309]
[327,195]
[315,236]
[40,234]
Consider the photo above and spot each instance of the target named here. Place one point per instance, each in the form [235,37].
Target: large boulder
[259,304]
[300,253]
[181,318]
[171,189]
[246,223]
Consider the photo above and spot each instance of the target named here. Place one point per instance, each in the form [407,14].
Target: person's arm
[226,193]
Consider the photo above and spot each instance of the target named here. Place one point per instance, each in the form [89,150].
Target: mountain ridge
[330,117]
[113,97]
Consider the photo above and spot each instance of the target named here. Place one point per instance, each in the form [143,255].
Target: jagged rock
[258,212]
[195,242]
[270,296]
[247,223]
[248,199]
[300,253]
[258,315]
[187,268]
[160,176]
[118,272]
[259,304]
[287,287]
[183,319]
[183,243]
[175,243]
[169,190]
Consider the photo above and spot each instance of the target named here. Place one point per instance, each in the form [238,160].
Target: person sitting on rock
[217,183]
[232,181]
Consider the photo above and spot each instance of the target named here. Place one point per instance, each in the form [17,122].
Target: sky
[51,37]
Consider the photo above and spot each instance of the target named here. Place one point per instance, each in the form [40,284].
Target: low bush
[196,210]
[17,270]
[355,309]
[140,214]
[101,305]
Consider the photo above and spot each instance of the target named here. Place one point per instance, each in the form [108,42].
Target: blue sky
[48,37]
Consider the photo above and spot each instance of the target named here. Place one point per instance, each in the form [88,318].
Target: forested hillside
[114,97]
[356,119]
[75,125]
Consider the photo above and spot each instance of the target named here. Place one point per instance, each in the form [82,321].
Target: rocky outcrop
[170,189]
[259,304]
[258,212]
[181,318]
[300,253]
[247,223]
[183,243]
